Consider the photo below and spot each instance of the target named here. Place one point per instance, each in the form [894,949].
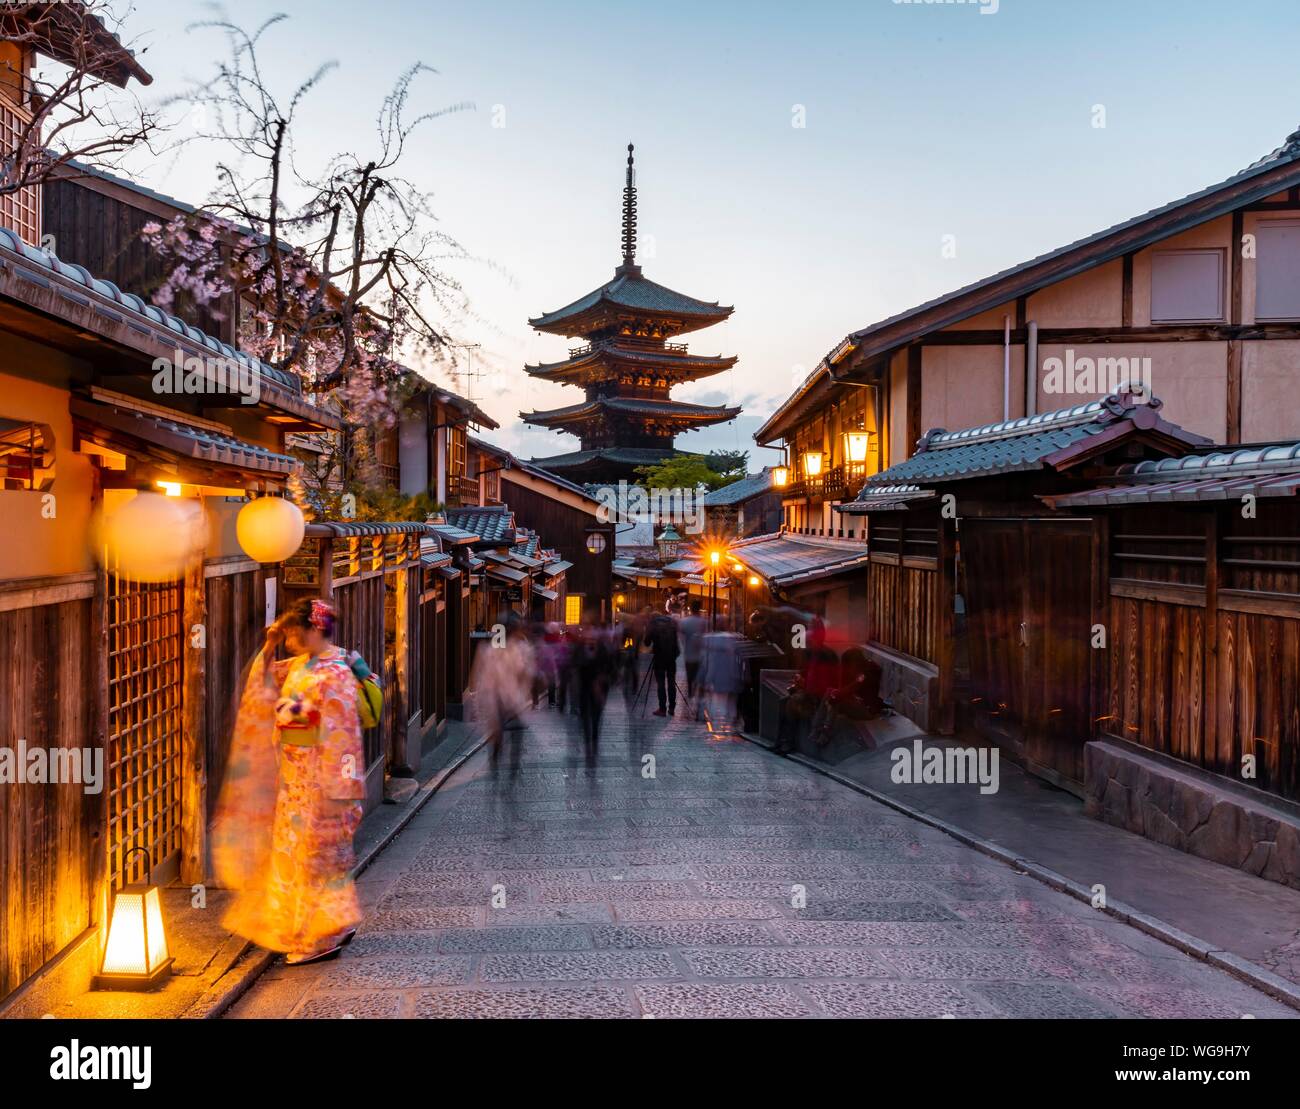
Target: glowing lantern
[812,463]
[753,581]
[856,444]
[151,537]
[270,529]
[135,956]
[781,477]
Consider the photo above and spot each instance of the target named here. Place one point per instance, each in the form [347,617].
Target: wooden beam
[1232,429]
[1234,303]
[194,760]
[1126,311]
[914,429]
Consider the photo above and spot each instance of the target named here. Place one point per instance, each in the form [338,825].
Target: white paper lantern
[270,529]
[150,538]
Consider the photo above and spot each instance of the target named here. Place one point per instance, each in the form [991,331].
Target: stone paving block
[784,963]
[978,965]
[537,938]
[687,933]
[586,913]
[1163,1003]
[891,1000]
[696,910]
[443,916]
[727,1001]
[396,972]
[565,1003]
[372,1004]
[593,966]
[638,872]
[612,891]
[832,909]
[369,944]
[1043,1001]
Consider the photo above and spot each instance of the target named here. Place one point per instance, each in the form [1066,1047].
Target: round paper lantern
[270,529]
[150,538]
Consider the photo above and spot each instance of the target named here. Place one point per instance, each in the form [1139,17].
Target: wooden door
[993,554]
[1029,604]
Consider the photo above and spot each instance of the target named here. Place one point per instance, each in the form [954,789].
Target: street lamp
[780,477]
[812,463]
[715,559]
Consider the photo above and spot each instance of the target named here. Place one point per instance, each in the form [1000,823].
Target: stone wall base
[1191,811]
[909,685]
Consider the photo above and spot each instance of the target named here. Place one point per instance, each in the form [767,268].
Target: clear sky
[922,120]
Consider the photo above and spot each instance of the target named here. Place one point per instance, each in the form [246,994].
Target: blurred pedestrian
[502,681]
[722,675]
[693,627]
[661,638]
[594,665]
[817,677]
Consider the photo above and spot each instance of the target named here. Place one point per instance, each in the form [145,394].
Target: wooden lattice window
[20,210]
[144,725]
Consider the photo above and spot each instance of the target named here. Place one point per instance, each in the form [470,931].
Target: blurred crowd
[671,659]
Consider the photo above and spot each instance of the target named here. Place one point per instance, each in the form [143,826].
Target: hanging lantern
[136,955]
[151,537]
[812,463]
[753,581]
[780,477]
[856,445]
[270,529]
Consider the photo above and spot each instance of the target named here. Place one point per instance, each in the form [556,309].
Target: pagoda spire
[629,215]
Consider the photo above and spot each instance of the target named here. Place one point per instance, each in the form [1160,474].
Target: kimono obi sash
[297,712]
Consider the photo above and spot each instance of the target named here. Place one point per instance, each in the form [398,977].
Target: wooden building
[569,521]
[1197,299]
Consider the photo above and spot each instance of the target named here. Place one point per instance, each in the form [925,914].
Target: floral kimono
[290,805]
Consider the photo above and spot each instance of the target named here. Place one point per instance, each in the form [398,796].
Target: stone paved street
[603,893]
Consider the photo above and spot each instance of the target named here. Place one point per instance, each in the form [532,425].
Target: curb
[1278,988]
[246,969]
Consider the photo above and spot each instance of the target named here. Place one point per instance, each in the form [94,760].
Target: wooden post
[1213,739]
[914,377]
[325,569]
[194,760]
[946,619]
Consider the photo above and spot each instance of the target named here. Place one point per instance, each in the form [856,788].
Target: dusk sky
[922,121]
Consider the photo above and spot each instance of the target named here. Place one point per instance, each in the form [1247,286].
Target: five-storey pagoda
[627,368]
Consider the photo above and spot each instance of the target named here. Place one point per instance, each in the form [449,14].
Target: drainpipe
[1031,370]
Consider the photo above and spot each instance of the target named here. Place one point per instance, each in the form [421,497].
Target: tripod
[643,693]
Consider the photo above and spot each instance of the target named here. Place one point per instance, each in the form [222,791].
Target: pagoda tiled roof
[633,406]
[624,456]
[688,366]
[630,291]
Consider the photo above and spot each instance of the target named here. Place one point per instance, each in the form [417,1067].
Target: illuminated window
[573,608]
[26,456]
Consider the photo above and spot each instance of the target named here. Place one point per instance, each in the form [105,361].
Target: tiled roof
[1265,471]
[202,444]
[557,567]
[633,406]
[629,289]
[494,525]
[1024,444]
[690,366]
[787,560]
[149,320]
[753,485]
[455,535]
[885,498]
[630,456]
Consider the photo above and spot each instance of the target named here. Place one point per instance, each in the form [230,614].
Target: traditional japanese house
[745,508]
[123,665]
[1198,300]
[428,452]
[981,600]
[1198,718]
[627,367]
[571,523]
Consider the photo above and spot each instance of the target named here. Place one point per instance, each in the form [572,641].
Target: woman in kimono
[291,800]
